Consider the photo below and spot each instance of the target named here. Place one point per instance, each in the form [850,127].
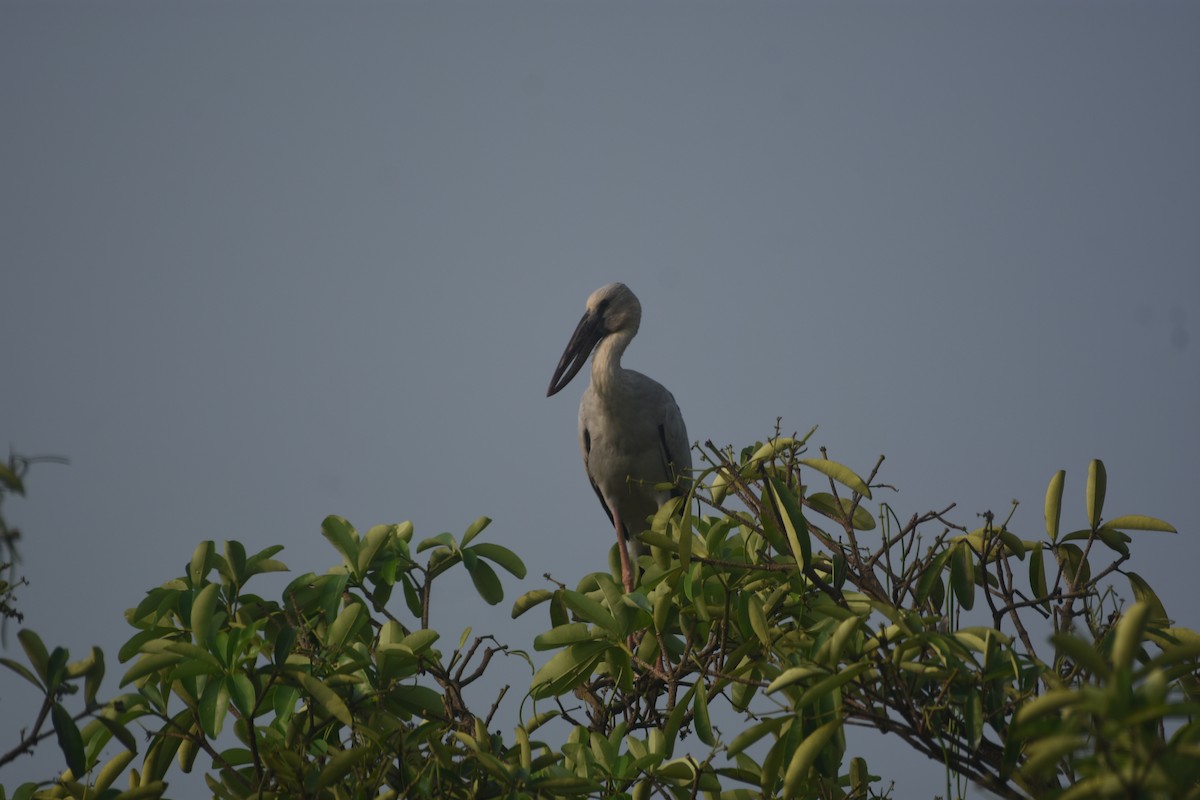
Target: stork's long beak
[585,338]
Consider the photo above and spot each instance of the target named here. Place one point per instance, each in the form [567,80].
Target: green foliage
[759,598]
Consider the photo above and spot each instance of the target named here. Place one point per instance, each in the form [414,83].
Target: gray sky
[260,263]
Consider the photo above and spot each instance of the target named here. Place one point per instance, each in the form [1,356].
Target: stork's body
[631,433]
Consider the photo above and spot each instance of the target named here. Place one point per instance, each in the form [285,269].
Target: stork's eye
[602,307]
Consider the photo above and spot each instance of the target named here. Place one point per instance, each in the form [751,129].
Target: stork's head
[611,309]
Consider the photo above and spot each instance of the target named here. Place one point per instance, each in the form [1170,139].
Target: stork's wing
[676,450]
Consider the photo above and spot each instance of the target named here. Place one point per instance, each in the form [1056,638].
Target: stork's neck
[607,372]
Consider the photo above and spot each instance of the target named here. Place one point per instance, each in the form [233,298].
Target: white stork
[631,433]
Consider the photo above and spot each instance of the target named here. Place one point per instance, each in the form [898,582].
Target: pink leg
[626,566]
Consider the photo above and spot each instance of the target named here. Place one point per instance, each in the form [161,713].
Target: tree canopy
[779,591]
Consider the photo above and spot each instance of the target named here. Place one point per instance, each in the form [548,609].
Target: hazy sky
[260,263]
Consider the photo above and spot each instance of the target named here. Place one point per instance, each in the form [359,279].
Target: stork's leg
[623,549]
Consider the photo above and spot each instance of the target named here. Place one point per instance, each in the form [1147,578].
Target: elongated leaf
[1037,576]
[795,526]
[795,675]
[502,556]
[69,740]
[593,612]
[700,718]
[930,575]
[837,508]
[420,641]
[806,755]
[340,765]
[22,670]
[1144,594]
[443,539]
[214,705]
[1127,638]
[201,562]
[326,698]
[35,651]
[203,611]
[962,576]
[376,538]
[563,635]
[1097,484]
[973,718]
[474,529]
[120,733]
[1138,522]
[343,537]
[111,771]
[1082,653]
[487,583]
[1054,494]
[840,473]
[754,733]
[831,684]
[529,600]
[342,627]
[758,619]
[148,664]
[91,682]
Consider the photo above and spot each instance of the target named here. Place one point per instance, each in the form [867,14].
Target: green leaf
[343,537]
[94,675]
[700,715]
[342,627]
[326,698]
[21,670]
[1144,594]
[592,611]
[204,613]
[838,508]
[241,689]
[420,641]
[201,562]
[474,529]
[284,641]
[1127,638]
[502,556]
[758,619]
[1138,522]
[148,664]
[443,539]
[563,635]
[340,765]
[1037,576]
[487,583]
[214,705]
[36,652]
[1097,483]
[831,684]
[530,599]
[1081,652]
[119,732]
[806,755]
[930,575]
[962,576]
[794,675]
[376,538]
[794,524]
[973,718]
[754,733]
[235,560]
[1053,512]
[69,740]
[840,473]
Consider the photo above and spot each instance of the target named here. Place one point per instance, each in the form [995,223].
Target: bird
[631,433]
